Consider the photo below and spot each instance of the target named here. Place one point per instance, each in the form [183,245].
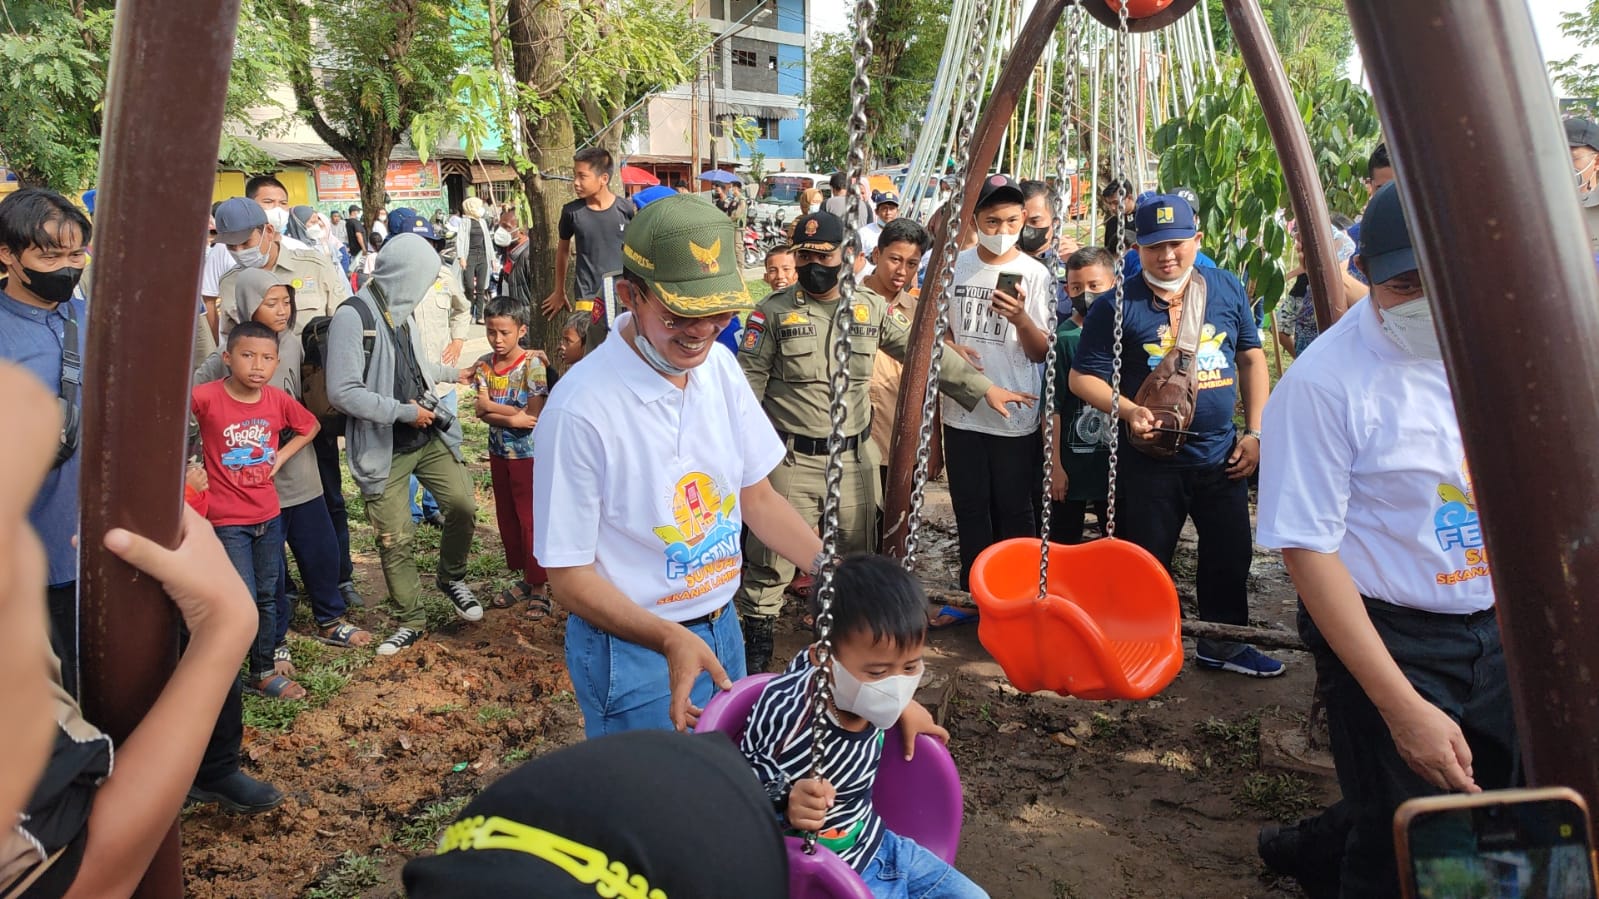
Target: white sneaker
[464,600]
[400,639]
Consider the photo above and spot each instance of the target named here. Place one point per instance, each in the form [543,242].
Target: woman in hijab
[319,234]
[473,253]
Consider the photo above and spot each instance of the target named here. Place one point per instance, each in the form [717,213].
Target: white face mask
[279,217]
[316,232]
[1409,326]
[251,257]
[1173,285]
[998,244]
[881,701]
[1588,196]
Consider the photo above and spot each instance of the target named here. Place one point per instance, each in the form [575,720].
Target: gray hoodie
[406,268]
[298,480]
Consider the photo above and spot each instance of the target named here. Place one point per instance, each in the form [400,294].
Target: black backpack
[313,364]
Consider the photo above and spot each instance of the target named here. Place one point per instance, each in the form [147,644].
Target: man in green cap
[649,460]
[786,353]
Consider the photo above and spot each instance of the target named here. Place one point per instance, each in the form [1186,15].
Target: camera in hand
[442,417]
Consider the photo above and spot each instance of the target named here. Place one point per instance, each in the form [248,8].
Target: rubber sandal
[538,604]
[282,662]
[953,617]
[274,687]
[508,597]
[339,634]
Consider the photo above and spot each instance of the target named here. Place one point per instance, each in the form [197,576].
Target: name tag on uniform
[859,330]
[793,331]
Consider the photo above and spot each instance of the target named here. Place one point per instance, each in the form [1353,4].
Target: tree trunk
[371,173]
[538,40]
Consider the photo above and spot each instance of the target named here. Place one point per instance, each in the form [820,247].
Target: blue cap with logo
[1385,247]
[237,218]
[1164,217]
[405,220]
[879,197]
[650,194]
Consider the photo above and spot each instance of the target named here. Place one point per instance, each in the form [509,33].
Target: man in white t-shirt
[650,458]
[1364,486]
[993,461]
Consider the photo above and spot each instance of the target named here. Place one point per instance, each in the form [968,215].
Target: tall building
[755,72]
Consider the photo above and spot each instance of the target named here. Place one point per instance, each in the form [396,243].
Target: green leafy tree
[907,43]
[54,56]
[1223,149]
[1314,39]
[362,71]
[1578,75]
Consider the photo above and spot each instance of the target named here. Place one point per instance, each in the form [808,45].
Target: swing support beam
[169,72]
[1509,265]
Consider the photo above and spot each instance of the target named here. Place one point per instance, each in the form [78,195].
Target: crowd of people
[663,477]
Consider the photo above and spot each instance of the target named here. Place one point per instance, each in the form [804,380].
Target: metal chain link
[838,384]
[1122,84]
[954,214]
[1058,209]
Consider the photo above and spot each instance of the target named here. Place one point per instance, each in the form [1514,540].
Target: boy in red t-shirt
[240,419]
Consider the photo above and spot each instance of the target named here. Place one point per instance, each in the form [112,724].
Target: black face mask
[52,287]
[1032,239]
[1080,303]
[816,278]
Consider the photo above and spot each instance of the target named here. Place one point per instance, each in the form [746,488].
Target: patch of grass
[273,715]
[1106,727]
[1283,796]
[421,832]
[350,876]
[1060,889]
[1237,741]
[490,713]
[321,669]
[445,709]
[516,756]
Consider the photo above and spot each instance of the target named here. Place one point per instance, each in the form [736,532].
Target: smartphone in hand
[1528,843]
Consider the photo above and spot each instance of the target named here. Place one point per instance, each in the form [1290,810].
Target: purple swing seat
[920,799]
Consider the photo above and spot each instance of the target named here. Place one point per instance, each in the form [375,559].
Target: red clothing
[199,500]
[240,443]
[513,507]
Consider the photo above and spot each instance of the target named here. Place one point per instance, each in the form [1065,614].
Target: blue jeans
[309,530]
[901,869]
[326,445]
[256,551]
[622,686]
[429,506]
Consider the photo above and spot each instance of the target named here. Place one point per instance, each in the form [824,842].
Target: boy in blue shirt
[1208,478]
[879,631]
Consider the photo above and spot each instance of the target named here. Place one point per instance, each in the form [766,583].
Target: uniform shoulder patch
[861,313]
[794,317]
[899,317]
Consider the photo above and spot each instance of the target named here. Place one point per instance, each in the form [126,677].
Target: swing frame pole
[1471,69]
[1034,37]
[168,74]
[1305,194]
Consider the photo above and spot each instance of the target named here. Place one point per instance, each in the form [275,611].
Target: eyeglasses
[678,322]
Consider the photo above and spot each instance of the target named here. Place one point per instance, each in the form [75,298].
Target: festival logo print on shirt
[249,453]
[1456,526]
[1210,360]
[702,546]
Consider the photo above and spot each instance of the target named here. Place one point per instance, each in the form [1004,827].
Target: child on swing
[879,631]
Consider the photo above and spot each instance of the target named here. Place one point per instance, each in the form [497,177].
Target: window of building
[768,128]
[744,58]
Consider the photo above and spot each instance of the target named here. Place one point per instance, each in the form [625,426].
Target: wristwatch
[777,792]
[1251,432]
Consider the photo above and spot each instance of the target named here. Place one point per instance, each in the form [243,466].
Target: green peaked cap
[687,251]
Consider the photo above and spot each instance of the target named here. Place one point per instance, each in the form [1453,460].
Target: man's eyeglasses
[678,323]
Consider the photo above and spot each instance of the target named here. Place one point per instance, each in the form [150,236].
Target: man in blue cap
[1365,489]
[1207,478]
[886,204]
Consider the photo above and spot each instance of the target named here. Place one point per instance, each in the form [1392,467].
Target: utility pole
[694,132]
[711,72]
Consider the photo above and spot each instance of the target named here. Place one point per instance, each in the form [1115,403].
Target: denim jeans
[256,551]
[622,686]
[309,530]
[901,869]
[326,445]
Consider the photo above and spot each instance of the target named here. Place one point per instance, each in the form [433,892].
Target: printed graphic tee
[240,445]
[1149,333]
[1362,456]
[642,479]
[999,350]
[522,380]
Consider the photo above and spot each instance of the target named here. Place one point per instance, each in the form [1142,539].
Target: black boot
[757,643]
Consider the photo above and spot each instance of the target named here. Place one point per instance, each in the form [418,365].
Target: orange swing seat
[1109,628]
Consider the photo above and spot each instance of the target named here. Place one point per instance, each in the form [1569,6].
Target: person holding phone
[1002,303]
[1365,488]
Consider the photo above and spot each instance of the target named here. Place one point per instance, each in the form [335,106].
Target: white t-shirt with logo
[642,479]
[1362,455]
[999,350]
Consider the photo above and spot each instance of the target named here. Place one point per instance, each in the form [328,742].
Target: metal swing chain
[1121,85]
[954,215]
[838,384]
[1058,209]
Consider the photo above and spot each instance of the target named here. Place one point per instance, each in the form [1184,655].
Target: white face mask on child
[880,701]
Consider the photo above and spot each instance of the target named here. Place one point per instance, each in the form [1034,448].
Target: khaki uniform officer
[319,286]
[786,354]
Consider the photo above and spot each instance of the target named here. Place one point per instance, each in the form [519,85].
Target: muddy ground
[1064,798]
